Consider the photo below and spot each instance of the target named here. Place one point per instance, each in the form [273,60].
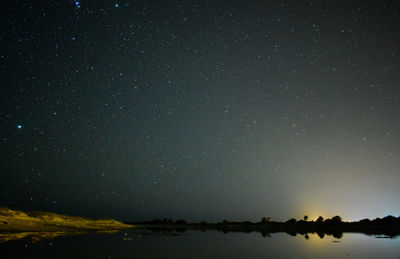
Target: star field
[201,109]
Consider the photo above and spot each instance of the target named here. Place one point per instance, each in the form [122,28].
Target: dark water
[196,244]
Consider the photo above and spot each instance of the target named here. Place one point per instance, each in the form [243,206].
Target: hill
[19,221]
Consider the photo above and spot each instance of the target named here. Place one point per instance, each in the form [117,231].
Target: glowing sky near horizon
[203,110]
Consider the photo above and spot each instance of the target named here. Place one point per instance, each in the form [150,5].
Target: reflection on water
[34,236]
[38,236]
[196,244]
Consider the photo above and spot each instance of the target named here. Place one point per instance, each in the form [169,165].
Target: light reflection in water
[210,244]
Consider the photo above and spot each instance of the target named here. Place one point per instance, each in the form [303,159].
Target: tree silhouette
[336,219]
[265,220]
[305,217]
[320,219]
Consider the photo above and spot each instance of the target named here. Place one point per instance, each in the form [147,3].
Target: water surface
[197,244]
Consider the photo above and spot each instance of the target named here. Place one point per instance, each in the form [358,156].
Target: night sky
[202,110]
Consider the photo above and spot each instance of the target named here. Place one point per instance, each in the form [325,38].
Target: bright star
[19,126]
[116,5]
[77,4]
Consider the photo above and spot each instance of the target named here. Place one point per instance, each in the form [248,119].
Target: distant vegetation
[388,220]
[320,220]
[388,226]
[267,220]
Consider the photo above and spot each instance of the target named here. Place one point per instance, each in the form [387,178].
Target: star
[212,100]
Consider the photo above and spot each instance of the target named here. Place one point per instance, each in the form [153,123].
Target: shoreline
[336,230]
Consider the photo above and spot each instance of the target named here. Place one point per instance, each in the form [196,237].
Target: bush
[265,220]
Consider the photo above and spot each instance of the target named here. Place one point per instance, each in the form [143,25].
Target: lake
[197,244]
